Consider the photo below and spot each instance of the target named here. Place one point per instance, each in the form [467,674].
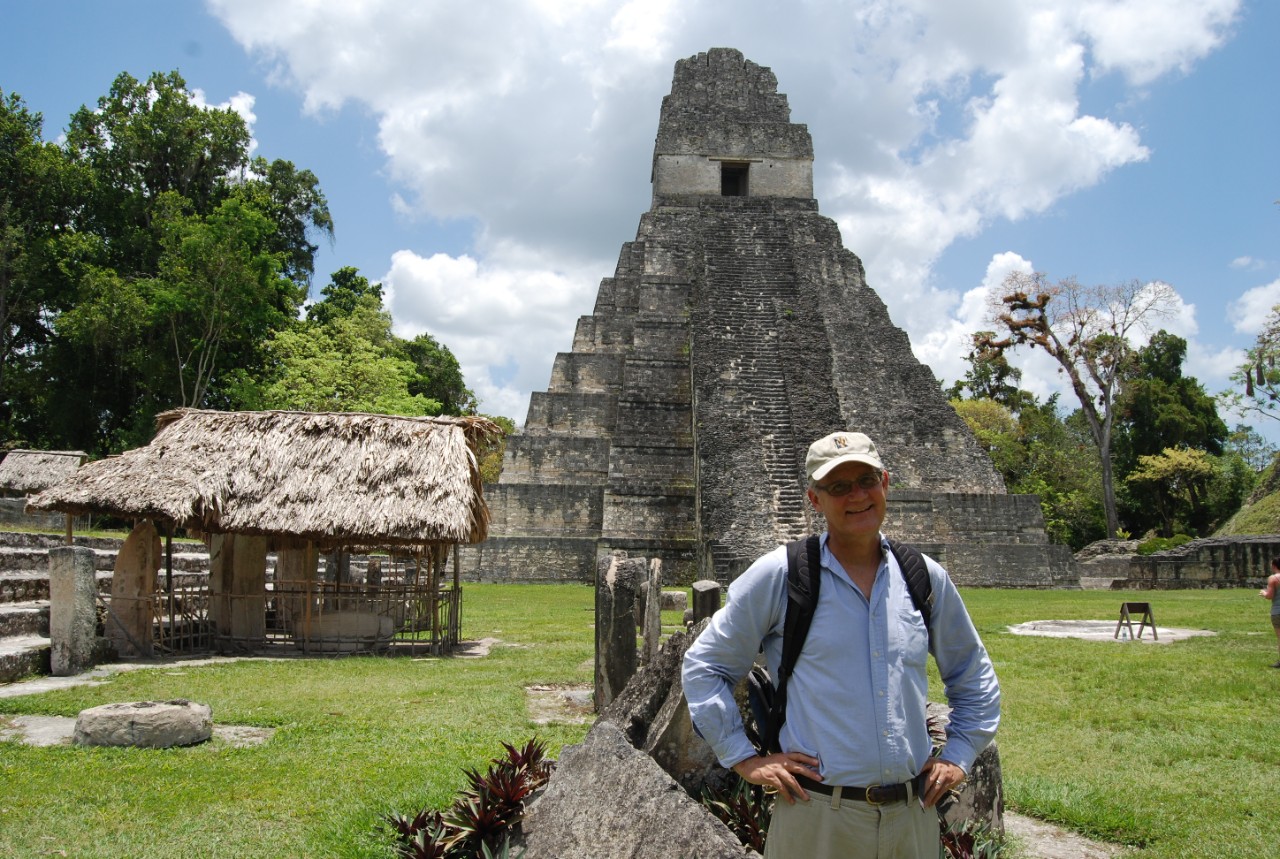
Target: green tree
[490,453]
[990,376]
[343,365]
[208,252]
[292,200]
[437,375]
[147,138]
[39,190]
[1086,330]
[218,294]
[1256,452]
[346,289]
[1179,478]
[1161,408]
[1158,409]
[1037,453]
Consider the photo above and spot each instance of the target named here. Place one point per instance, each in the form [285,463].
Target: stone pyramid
[735,330]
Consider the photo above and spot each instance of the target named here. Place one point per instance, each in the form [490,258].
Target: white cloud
[1144,39]
[504,321]
[931,120]
[1249,311]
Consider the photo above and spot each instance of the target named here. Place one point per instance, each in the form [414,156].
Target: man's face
[861,511]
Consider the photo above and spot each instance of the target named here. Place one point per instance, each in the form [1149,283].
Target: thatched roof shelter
[27,471]
[340,479]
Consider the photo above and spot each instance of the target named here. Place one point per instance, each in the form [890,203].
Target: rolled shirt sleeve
[724,652]
[968,677]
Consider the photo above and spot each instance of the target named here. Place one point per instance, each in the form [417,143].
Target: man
[855,716]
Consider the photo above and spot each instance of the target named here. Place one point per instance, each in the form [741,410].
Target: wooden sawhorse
[1127,611]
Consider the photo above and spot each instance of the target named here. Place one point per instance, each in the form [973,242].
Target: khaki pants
[829,828]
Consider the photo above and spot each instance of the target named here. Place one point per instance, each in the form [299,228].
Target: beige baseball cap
[837,449]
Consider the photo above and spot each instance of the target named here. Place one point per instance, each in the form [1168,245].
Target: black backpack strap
[804,578]
[916,572]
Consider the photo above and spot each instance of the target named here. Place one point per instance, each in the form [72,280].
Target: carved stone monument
[736,330]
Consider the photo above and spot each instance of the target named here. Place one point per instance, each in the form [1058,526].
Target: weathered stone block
[73,616]
[145,724]
[607,800]
[618,583]
[675,600]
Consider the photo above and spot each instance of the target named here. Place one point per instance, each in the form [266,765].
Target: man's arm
[725,651]
[967,674]
[721,657]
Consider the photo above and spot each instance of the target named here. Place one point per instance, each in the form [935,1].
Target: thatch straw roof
[25,471]
[341,479]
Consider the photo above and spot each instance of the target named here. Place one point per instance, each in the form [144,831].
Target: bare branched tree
[1257,382]
[1087,331]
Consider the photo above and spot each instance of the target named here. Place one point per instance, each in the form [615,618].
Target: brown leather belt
[878,794]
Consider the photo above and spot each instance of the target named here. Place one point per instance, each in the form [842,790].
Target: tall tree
[1254,450]
[1087,331]
[1179,478]
[1160,408]
[39,190]
[187,257]
[343,295]
[437,375]
[292,200]
[144,139]
[218,294]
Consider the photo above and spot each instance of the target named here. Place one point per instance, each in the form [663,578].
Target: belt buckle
[867,795]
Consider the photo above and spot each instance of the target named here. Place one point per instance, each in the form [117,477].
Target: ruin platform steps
[24,618]
[18,586]
[37,558]
[22,656]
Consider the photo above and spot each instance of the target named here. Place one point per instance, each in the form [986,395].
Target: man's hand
[778,773]
[939,777]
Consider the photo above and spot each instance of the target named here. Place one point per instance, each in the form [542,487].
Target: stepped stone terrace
[735,329]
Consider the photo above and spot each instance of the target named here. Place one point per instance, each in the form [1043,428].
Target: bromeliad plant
[481,820]
[744,808]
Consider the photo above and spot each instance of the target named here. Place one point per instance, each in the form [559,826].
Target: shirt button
[881,693]
[886,733]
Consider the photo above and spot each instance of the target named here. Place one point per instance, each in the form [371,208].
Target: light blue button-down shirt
[856,700]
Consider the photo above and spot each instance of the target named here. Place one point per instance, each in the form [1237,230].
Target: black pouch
[761,696]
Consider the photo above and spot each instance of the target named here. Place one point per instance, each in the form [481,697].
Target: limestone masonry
[735,330]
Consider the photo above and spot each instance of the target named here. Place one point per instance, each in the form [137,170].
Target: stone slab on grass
[145,724]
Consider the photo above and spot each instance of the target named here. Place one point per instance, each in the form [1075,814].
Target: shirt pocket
[910,634]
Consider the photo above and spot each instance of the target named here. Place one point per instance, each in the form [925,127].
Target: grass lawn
[1163,747]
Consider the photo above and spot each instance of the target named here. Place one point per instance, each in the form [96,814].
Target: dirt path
[1039,840]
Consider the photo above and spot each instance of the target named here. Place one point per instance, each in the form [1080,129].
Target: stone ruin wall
[1216,562]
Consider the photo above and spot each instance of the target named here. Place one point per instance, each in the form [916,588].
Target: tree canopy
[149,262]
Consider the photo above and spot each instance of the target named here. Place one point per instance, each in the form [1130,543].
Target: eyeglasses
[867,482]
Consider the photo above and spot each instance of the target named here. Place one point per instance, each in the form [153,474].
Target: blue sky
[487,161]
